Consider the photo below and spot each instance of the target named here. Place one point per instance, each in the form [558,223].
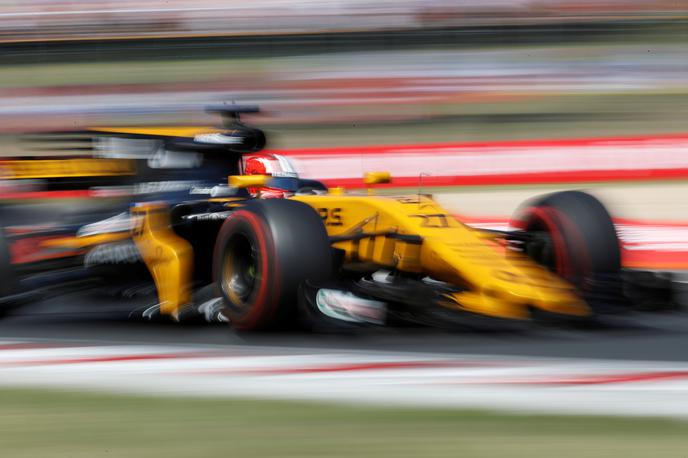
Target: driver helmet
[273,165]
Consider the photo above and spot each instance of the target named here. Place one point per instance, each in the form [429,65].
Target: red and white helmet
[269,164]
[273,165]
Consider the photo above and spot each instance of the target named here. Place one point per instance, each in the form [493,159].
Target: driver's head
[257,165]
[273,165]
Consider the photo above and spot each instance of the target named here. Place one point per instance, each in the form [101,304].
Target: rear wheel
[572,234]
[263,253]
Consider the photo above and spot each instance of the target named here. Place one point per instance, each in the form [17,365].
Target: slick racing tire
[263,253]
[572,234]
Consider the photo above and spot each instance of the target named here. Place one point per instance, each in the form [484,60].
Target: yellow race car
[268,249]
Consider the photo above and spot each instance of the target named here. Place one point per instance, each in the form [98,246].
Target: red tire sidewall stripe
[584,265]
[548,217]
[257,311]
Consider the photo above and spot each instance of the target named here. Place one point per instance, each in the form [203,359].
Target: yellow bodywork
[86,241]
[371,178]
[169,258]
[409,233]
[414,234]
[64,168]
[158,131]
[247,181]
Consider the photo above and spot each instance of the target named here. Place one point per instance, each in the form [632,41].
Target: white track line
[386,378]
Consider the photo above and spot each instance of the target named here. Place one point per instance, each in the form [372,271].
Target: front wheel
[572,234]
[263,253]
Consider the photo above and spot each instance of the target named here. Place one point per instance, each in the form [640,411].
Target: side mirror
[248,181]
[370,178]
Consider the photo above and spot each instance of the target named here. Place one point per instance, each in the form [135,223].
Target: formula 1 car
[267,249]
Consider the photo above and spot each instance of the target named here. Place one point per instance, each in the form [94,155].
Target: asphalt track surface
[644,336]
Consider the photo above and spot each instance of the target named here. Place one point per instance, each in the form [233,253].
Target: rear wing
[231,140]
[235,137]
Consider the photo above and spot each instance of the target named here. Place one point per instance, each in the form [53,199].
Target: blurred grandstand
[24,20]
[349,72]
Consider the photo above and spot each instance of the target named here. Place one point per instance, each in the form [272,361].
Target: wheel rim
[546,245]
[240,267]
[541,249]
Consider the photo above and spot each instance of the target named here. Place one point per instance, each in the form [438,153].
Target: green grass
[56,425]
[132,72]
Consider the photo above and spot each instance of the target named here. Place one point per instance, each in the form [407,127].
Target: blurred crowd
[519,69]
[486,89]
[24,20]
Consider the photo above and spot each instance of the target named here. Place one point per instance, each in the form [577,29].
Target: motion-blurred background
[350,72]
[498,100]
